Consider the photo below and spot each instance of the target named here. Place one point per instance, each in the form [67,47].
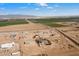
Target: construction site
[38,40]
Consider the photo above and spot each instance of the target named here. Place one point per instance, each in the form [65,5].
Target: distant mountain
[21,17]
[58,19]
[16,16]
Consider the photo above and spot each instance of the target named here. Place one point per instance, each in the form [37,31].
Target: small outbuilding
[7,45]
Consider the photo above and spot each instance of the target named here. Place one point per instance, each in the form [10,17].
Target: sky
[39,9]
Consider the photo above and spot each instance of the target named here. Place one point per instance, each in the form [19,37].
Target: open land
[40,37]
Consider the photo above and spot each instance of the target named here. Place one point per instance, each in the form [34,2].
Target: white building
[7,45]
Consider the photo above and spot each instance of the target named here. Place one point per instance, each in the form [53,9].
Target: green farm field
[16,22]
[53,22]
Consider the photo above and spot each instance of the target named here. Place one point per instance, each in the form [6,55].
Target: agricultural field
[7,23]
[55,22]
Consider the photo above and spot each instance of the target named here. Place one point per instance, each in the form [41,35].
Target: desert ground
[35,39]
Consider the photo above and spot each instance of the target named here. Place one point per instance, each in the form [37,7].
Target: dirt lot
[23,27]
[49,40]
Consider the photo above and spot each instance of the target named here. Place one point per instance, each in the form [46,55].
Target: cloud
[50,7]
[55,10]
[75,9]
[43,4]
[56,5]
[3,13]
[16,12]
[2,8]
[22,7]
[28,3]
[36,8]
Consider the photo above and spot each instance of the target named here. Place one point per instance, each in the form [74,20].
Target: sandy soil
[59,44]
[29,26]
